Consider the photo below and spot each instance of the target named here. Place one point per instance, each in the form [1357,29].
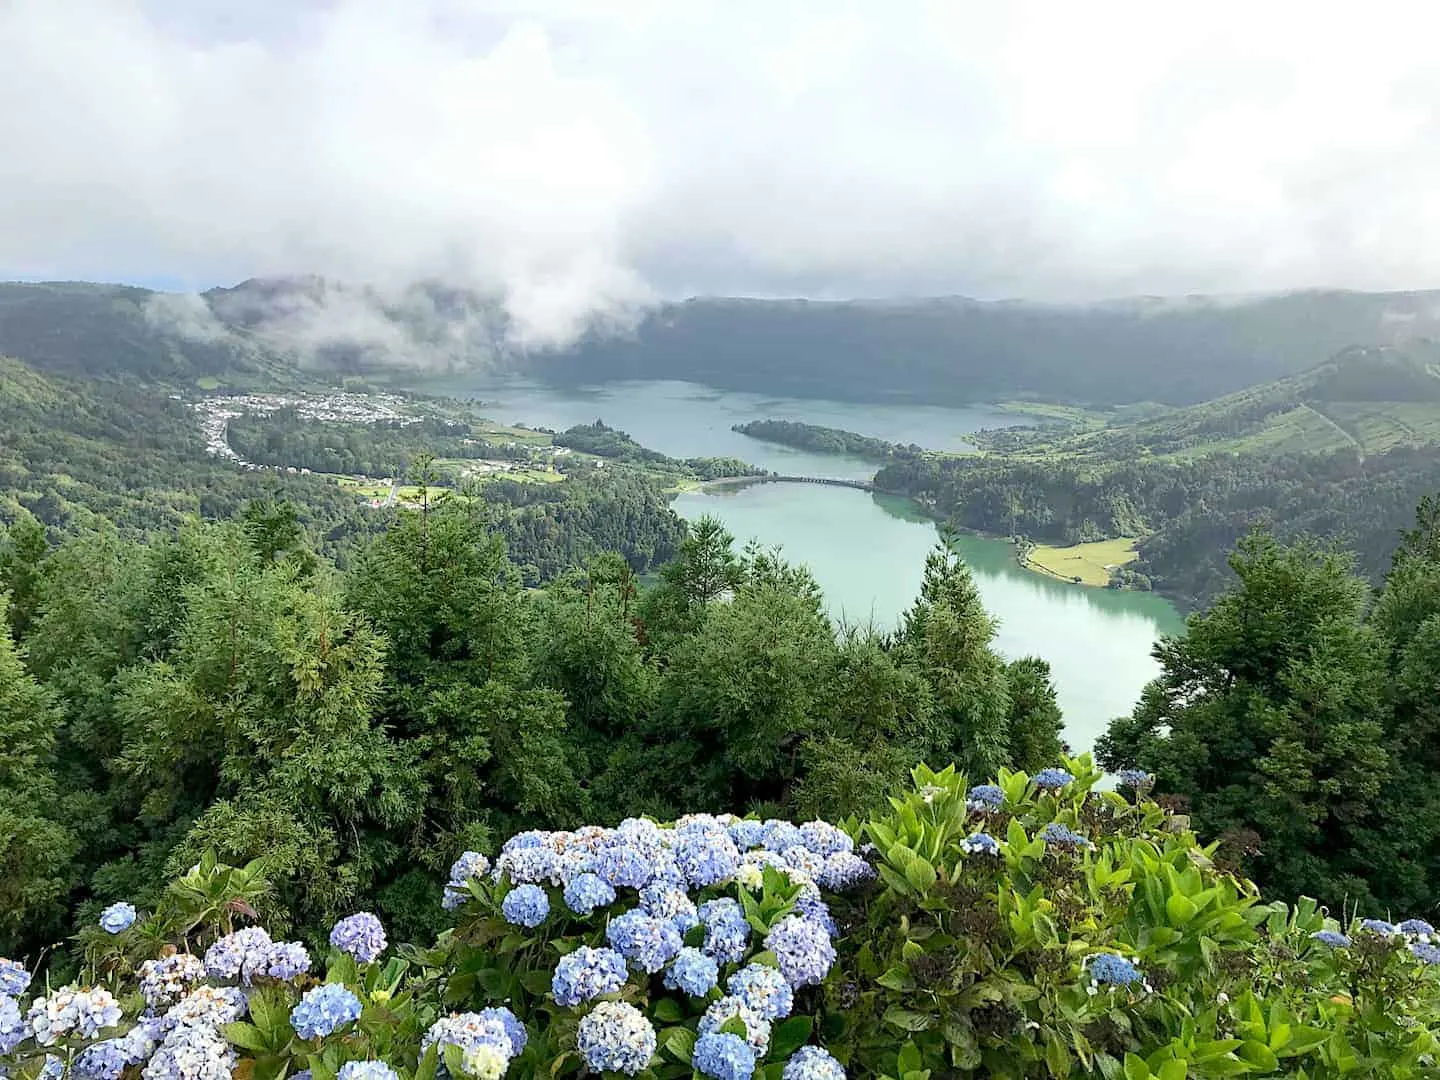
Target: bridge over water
[774,478]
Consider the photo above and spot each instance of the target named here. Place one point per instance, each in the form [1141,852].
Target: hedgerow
[1037,926]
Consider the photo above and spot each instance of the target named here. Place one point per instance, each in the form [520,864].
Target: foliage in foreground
[1032,927]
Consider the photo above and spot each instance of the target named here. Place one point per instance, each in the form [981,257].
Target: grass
[1090,563]
[208,382]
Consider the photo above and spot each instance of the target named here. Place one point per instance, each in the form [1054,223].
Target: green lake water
[868,551]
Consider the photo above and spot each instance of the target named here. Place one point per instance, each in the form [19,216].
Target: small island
[824,440]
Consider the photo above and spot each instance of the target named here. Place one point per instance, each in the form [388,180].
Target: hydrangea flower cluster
[360,935]
[72,1009]
[468,867]
[586,892]
[13,1029]
[1416,929]
[192,1052]
[731,1007]
[526,905]
[692,973]
[1107,969]
[205,1006]
[727,934]
[616,1037]
[647,942]
[324,1010]
[1138,779]
[1052,779]
[723,1056]
[812,1063]
[284,960]
[985,798]
[803,950]
[488,1039]
[585,974]
[232,954]
[1379,926]
[117,918]
[14,979]
[367,1070]
[108,1060]
[980,844]
[1062,836]
[1333,938]
[164,981]
[764,991]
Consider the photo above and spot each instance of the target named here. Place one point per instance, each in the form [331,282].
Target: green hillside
[1364,399]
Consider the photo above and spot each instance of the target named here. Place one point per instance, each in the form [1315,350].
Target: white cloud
[579,158]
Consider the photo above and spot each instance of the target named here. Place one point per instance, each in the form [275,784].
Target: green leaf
[1258,1055]
[909,1059]
[680,1041]
[920,874]
[906,1020]
[1135,1068]
[1171,1070]
[667,1011]
[789,1035]
[897,978]
[247,1037]
[536,982]
[1179,910]
[428,1064]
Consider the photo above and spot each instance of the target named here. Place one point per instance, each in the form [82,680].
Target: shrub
[1037,926]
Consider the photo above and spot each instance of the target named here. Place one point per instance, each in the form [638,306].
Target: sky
[579,158]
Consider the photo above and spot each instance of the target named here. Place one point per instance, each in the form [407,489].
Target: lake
[868,551]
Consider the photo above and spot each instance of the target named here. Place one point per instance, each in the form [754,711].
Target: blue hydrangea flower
[844,870]
[470,1030]
[1058,835]
[647,942]
[192,1052]
[1107,969]
[723,1056]
[812,1063]
[283,960]
[692,972]
[663,900]
[585,974]
[469,866]
[367,1070]
[803,950]
[1333,938]
[825,839]
[1425,953]
[747,833]
[764,990]
[13,1028]
[512,1025]
[615,1037]
[103,1061]
[229,956]
[985,798]
[52,1069]
[707,856]
[360,935]
[1378,926]
[117,918]
[164,981]
[1052,779]
[780,836]
[14,979]
[323,1010]
[808,905]
[980,844]
[623,866]
[204,1006]
[1416,928]
[1134,778]
[730,1007]
[69,1009]
[727,933]
[521,841]
[525,905]
[586,892]
[529,866]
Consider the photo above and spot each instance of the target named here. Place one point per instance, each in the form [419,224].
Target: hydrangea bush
[1030,927]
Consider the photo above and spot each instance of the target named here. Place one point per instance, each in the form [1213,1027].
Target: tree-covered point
[823,440]
[1298,719]
[224,687]
[607,442]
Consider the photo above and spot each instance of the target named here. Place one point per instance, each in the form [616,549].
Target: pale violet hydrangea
[706,854]
[727,933]
[803,950]
[780,836]
[586,892]
[980,844]
[231,954]
[647,942]
[825,839]
[1106,969]
[511,1023]
[1332,938]
[468,867]
[360,935]
[616,1037]
[205,1006]
[13,1029]
[284,960]
[985,798]
[844,870]
[192,1052]
[1052,779]
[469,1030]
[324,1010]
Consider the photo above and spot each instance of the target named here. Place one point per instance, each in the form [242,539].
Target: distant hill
[1363,399]
[936,350]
